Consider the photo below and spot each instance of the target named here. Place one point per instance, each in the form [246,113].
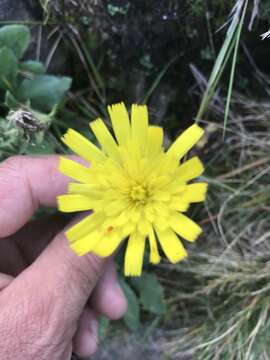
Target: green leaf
[10,101]
[44,91]
[8,68]
[16,38]
[132,316]
[103,327]
[44,148]
[230,88]
[151,294]
[34,67]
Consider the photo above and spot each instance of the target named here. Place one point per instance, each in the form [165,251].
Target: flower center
[139,194]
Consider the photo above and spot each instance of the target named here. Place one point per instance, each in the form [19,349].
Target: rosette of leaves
[29,98]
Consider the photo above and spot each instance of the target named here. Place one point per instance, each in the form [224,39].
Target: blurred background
[63,61]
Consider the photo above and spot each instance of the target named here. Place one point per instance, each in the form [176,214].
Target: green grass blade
[220,63]
[236,47]
[158,79]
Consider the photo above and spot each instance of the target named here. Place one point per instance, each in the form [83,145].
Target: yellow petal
[154,254]
[84,227]
[139,125]
[107,245]
[149,212]
[190,169]
[81,146]
[143,226]
[171,245]
[161,222]
[74,202]
[86,189]
[160,208]
[185,227]
[168,165]
[126,160]
[154,140]
[105,138]
[115,207]
[120,122]
[135,214]
[177,187]
[134,255]
[121,219]
[185,141]
[195,192]
[127,229]
[161,195]
[86,244]
[178,204]
[74,170]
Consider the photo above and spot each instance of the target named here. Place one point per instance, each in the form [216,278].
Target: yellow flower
[135,189]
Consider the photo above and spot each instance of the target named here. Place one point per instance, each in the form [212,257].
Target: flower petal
[74,170]
[134,254]
[161,222]
[81,146]
[86,244]
[105,138]
[108,245]
[143,225]
[154,140]
[195,192]
[154,254]
[120,122]
[185,227]
[171,245]
[190,169]
[139,124]
[74,202]
[185,141]
[75,188]
[84,227]
[178,204]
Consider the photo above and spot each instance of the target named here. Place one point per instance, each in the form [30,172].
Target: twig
[244,168]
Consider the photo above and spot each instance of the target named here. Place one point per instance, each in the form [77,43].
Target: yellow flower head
[135,189]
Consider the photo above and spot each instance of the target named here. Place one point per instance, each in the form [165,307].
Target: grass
[224,287]
[229,49]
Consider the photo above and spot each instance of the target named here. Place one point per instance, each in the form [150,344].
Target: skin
[50,298]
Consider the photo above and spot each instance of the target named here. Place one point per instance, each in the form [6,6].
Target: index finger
[25,184]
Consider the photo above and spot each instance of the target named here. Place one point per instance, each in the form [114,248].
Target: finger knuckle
[87,270]
[10,174]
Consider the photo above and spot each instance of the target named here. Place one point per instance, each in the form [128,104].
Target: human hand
[46,310]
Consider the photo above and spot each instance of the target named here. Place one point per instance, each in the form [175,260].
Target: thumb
[63,278]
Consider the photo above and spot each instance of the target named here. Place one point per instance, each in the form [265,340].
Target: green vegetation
[29,98]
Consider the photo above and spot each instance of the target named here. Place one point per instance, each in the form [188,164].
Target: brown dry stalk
[244,168]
